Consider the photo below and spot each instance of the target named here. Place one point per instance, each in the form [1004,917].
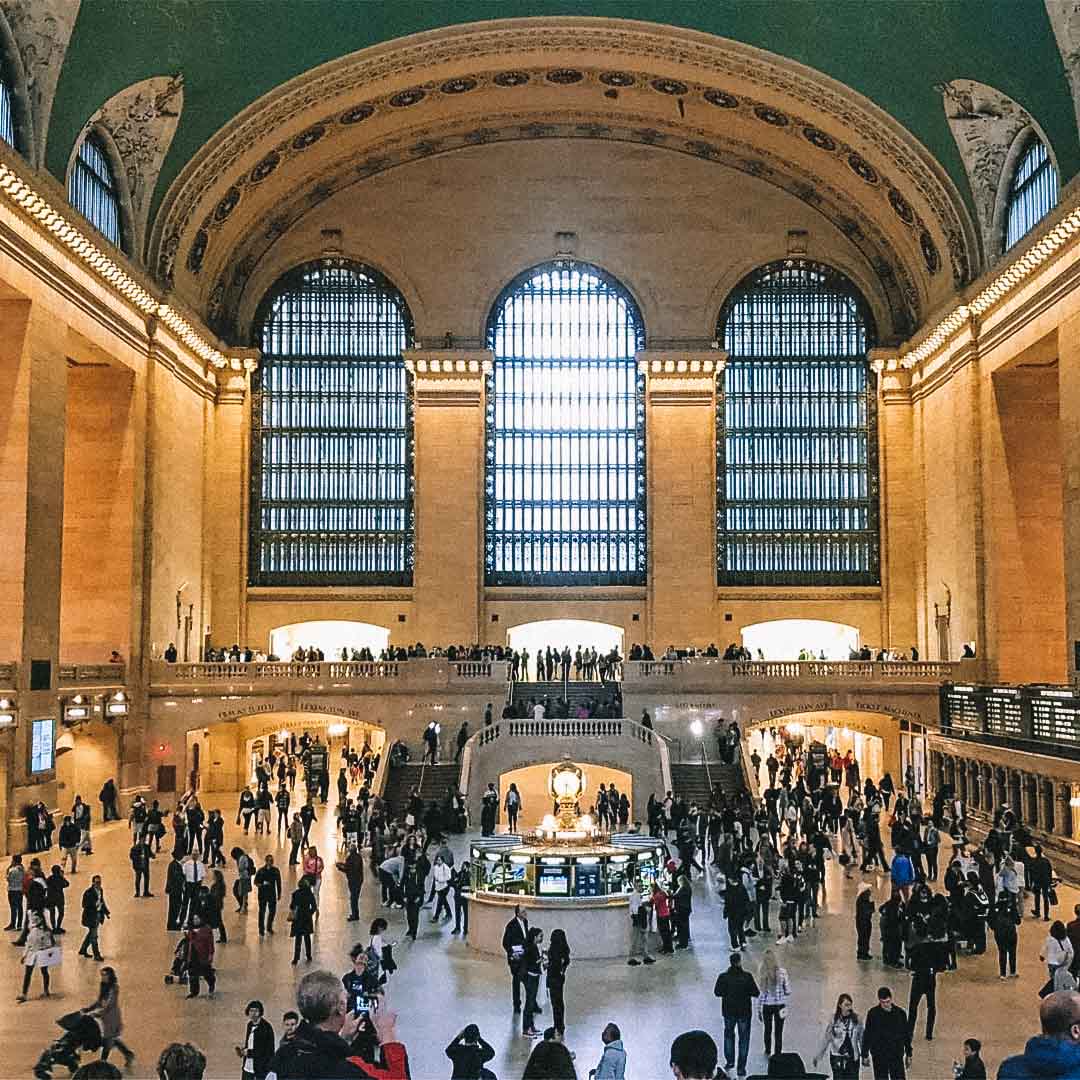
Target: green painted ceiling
[893,51]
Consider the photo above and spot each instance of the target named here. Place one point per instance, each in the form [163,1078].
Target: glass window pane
[92,189]
[796,440]
[1033,193]
[565,494]
[332,444]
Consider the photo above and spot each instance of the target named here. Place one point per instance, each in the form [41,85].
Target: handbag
[45,958]
[1053,896]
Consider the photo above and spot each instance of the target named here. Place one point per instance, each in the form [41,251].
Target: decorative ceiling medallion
[197,251]
[309,137]
[510,78]
[265,167]
[771,116]
[565,76]
[459,86]
[670,86]
[227,204]
[862,168]
[929,252]
[901,206]
[817,137]
[617,78]
[406,98]
[721,99]
[356,114]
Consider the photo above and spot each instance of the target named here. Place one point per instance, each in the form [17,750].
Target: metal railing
[757,671]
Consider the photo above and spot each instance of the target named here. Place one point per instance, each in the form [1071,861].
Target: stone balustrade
[702,670]
[69,675]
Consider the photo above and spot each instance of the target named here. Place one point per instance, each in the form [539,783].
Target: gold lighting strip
[1003,283]
[83,248]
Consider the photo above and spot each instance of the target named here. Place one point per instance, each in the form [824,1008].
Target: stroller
[178,973]
[81,1033]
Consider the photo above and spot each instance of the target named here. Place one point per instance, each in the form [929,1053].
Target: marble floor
[441,984]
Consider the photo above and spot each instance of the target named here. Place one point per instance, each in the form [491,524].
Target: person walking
[245,870]
[512,805]
[886,1038]
[772,1003]
[1004,921]
[926,957]
[296,838]
[462,886]
[200,945]
[736,989]
[212,909]
[353,868]
[864,921]
[140,856]
[94,912]
[268,887]
[1040,879]
[55,884]
[15,875]
[302,910]
[683,908]
[612,1063]
[558,960]
[282,801]
[106,1010]
[441,877]
[39,940]
[843,1040]
[257,1049]
[1057,954]
[174,891]
[69,843]
[313,870]
[532,965]
[194,875]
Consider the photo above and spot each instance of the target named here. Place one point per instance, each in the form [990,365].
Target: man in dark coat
[513,943]
[736,989]
[353,869]
[258,1046]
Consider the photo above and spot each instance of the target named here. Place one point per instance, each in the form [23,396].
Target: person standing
[469,1051]
[282,801]
[639,927]
[489,809]
[612,1063]
[1004,921]
[268,886]
[1040,879]
[296,838]
[69,843]
[864,921]
[661,904]
[843,1040]
[532,966]
[736,989]
[15,875]
[107,798]
[302,917]
[772,1004]
[463,738]
[926,959]
[246,809]
[513,943]
[174,891]
[886,1038]
[106,1010]
[194,875]
[140,855]
[257,1049]
[353,869]
[245,870]
[441,877]
[94,912]
[55,884]
[200,943]
[512,805]
[683,903]
[462,886]
[558,960]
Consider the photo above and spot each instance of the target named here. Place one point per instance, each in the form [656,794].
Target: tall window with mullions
[332,431]
[797,461]
[92,189]
[1033,192]
[565,458]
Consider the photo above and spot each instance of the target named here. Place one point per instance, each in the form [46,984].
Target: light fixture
[9,715]
[696,728]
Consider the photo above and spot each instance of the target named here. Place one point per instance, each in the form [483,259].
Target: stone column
[1068,352]
[33,375]
[901,510]
[1063,811]
[448,575]
[227,470]
[1041,818]
[680,441]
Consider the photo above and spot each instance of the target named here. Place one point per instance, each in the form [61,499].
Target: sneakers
[649,960]
[633,962]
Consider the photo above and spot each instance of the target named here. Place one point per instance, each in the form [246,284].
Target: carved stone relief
[42,30]
[985,123]
[142,121]
[1065,20]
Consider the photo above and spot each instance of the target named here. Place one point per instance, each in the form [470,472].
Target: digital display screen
[554,881]
[587,880]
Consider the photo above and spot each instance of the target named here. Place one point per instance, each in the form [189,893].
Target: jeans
[761,914]
[442,904]
[305,940]
[1007,959]
[197,972]
[532,985]
[773,1017]
[742,1025]
[922,986]
[888,1067]
[461,912]
[142,875]
[267,911]
[639,943]
[844,1068]
[558,1006]
[56,912]
[1042,893]
[517,978]
[354,902]
[91,942]
[15,904]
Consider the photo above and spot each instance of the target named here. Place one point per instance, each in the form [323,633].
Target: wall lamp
[9,713]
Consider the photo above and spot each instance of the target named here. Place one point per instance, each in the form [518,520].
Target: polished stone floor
[442,985]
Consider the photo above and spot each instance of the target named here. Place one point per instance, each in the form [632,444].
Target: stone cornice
[436,365]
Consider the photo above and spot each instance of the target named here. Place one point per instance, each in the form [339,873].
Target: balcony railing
[745,672]
[92,675]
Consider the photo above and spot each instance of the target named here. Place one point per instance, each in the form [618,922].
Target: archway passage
[536,800]
[603,637]
[329,635]
[785,639]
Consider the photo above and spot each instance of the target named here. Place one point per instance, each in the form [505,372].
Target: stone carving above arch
[614,79]
[1065,20]
[141,120]
[985,124]
[42,30]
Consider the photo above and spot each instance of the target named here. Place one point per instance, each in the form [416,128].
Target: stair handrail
[705,762]
[382,773]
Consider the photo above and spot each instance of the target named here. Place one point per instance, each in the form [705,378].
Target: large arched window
[797,488]
[565,484]
[331,445]
[1033,192]
[92,188]
[7,112]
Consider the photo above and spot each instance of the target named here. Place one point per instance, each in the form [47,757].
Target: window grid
[7,114]
[92,189]
[332,431]
[797,488]
[565,460]
[1033,193]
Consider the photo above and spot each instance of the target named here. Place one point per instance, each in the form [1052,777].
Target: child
[972,1067]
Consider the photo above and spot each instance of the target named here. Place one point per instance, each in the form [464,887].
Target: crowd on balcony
[559,665]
